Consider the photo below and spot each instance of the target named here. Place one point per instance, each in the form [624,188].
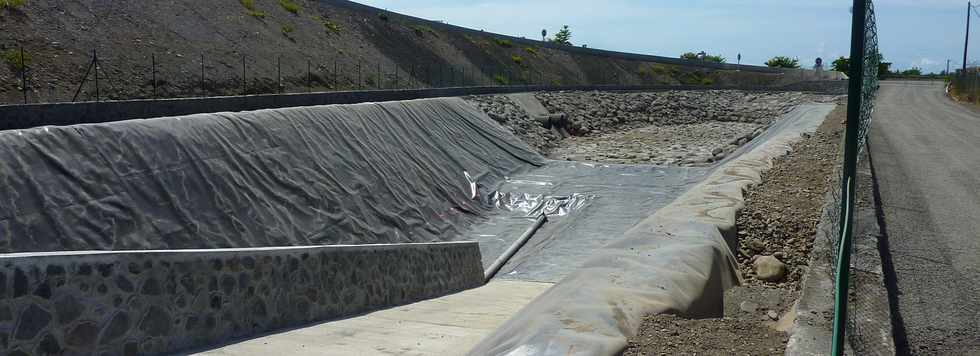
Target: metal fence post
[244,77]
[95,54]
[204,90]
[153,73]
[23,73]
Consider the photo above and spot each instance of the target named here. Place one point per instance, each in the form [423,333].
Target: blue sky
[921,33]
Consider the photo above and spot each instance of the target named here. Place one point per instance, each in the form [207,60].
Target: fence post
[23,73]
[244,77]
[204,90]
[854,106]
[95,55]
[153,72]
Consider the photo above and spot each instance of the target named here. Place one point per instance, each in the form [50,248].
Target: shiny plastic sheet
[345,174]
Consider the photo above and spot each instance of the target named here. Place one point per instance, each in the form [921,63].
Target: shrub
[502,80]
[691,56]
[287,29]
[532,51]
[503,43]
[421,30]
[12,4]
[330,26]
[707,81]
[783,62]
[564,36]
[383,16]
[658,69]
[249,6]
[12,58]
[290,6]
[517,59]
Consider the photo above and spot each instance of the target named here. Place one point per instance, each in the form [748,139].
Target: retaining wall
[34,115]
[153,302]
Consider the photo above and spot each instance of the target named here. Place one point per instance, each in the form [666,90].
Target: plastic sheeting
[676,261]
[352,174]
[589,205]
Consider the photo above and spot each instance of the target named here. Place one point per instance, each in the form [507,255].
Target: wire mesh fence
[153,75]
[863,88]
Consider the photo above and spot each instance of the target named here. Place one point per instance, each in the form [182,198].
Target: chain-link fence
[862,90]
[965,85]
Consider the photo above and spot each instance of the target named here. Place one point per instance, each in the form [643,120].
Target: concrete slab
[450,325]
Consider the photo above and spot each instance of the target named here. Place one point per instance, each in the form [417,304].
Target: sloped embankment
[346,174]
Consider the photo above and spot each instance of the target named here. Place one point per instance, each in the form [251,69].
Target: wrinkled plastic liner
[588,205]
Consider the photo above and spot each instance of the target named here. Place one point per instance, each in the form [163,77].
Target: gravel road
[926,151]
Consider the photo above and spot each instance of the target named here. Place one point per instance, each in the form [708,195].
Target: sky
[912,33]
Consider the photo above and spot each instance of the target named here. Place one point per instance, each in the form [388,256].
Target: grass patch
[327,24]
[531,50]
[503,43]
[287,29]
[12,4]
[502,80]
[658,69]
[250,9]
[13,60]
[290,6]
[421,30]
[517,59]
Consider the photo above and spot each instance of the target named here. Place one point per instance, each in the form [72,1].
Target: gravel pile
[684,128]
[591,112]
[507,113]
[781,214]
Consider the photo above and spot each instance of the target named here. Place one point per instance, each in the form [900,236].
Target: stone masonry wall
[154,302]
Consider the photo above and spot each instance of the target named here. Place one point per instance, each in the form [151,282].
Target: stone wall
[153,302]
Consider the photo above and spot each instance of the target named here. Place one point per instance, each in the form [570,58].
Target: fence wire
[841,227]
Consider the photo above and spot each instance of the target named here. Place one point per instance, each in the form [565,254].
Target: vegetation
[531,50]
[290,6]
[563,37]
[13,60]
[783,62]
[383,16]
[421,30]
[707,57]
[12,4]
[327,24]
[914,71]
[249,9]
[287,29]
[502,80]
[517,59]
[503,43]
[841,64]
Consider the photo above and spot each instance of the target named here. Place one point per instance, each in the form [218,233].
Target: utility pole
[966,44]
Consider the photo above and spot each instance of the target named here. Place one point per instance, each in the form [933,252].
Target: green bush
[532,51]
[517,59]
[12,58]
[287,29]
[290,6]
[503,43]
[502,80]
[783,62]
[421,30]
[250,9]
[12,4]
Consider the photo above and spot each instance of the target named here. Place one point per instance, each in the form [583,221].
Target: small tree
[691,56]
[564,36]
[783,62]
[841,65]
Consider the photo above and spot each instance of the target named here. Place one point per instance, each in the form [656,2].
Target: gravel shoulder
[778,222]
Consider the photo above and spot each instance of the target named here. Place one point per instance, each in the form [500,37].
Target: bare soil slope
[344,45]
